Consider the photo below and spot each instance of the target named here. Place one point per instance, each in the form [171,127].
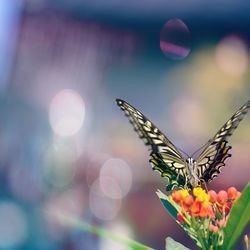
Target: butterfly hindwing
[174,179]
[211,160]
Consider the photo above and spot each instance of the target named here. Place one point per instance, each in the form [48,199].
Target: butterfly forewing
[212,158]
[228,128]
[146,130]
[164,155]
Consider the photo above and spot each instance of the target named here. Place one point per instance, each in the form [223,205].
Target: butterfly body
[191,166]
[166,158]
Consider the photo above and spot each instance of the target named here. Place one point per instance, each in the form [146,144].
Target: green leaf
[167,204]
[174,245]
[238,219]
[173,212]
[69,220]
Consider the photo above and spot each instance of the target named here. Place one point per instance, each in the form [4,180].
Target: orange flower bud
[213,228]
[237,196]
[188,200]
[180,218]
[203,212]
[210,227]
[195,208]
[222,197]
[232,193]
[212,196]
[184,210]
[206,211]
[176,197]
[210,211]
[221,223]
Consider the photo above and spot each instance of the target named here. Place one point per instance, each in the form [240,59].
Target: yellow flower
[184,193]
[201,194]
[197,191]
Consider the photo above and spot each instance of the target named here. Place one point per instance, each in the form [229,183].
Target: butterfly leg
[186,181]
[205,186]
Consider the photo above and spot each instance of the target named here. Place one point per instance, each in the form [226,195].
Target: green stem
[199,234]
[203,246]
[74,221]
[215,240]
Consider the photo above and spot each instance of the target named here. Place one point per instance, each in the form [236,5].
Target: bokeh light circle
[110,187]
[92,169]
[102,206]
[175,39]
[13,226]
[117,172]
[231,55]
[67,112]
[60,162]
[187,106]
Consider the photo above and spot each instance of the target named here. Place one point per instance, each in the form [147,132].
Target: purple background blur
[64,144]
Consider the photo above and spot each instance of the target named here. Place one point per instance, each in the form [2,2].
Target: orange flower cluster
[201,204]
[223,202]
[202,214]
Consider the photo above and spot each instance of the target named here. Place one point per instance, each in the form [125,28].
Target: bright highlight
[231,56]
[66,113]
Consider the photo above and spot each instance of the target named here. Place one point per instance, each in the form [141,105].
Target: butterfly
[167,159]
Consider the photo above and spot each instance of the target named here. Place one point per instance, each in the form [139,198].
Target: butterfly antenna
[183,152]
[200,148]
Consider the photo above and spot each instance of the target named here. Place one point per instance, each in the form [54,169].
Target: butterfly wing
[164,156]
[212,158]
[169,171]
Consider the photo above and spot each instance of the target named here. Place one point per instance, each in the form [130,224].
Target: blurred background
[65,145]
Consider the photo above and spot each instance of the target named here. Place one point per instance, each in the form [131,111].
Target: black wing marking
[164,156]
[174,179]
[212,158]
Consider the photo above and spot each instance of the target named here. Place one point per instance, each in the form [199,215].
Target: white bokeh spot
[67,112]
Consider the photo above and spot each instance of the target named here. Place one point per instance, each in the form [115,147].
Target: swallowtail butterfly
[167,159]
